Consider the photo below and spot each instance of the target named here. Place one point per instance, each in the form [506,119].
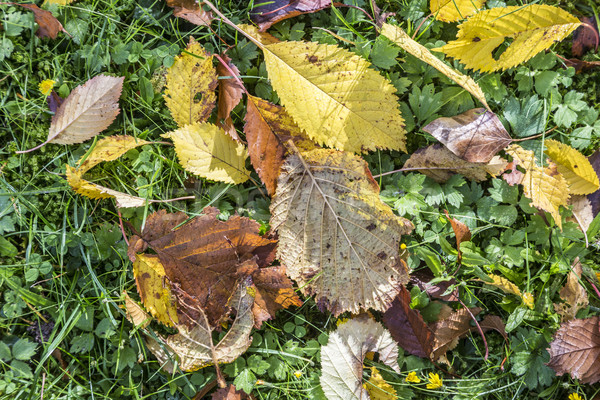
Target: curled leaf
[230,94]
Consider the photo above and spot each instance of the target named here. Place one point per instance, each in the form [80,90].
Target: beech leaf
[454,10]
[268,13]
[574,167]
[338,240]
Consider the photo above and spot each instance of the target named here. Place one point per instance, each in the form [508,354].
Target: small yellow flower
[528,300]
[46,86]
[259,382]
[412,377]
[403,246]
[298,374]
[341,321]
[435,382]
[575,396]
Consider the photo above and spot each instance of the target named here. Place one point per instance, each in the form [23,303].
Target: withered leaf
[154,291]
[229,393]
[270,12]
[461,231]
[576,350]
[573,294]
[585,37]
[407,326]
[49,26]
[190,11]
[448,331]
[475,135]
[422,278]
[135,313]
[581,65]
[231,92]
[594,198]
[492,322]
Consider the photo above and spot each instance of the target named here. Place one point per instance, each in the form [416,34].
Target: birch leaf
[206,150]
[398,36]
[338,240]
[454,10]
[335,97]
[533,28]
[574,166]
[191,82]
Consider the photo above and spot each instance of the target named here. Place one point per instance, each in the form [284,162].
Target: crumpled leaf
[338,240]
[230,93]
[268,128]
[585,37]
[206,150]
[573,294]
[335,97]
[448,331]
[454,10]
[533,28]
[461,232]
[194,348]
[576,350]
[475,135]
[135,313]
[398,36]
[574,167]
[154,290]
[190,11]
[191,83]
[407,326]
[48,25]
[343,356]
[443,164]
[265,14]
[378,388]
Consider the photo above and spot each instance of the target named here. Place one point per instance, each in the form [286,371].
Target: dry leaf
[574,167]
[135,313]
[190,11]
[422,279]
[475,135]
[533,28]
[594,198]
[448,331]
[230,93]
[261,37]
[343,356]
[206,150]
[265,14]
[378,388]
[407,326]
[229,393]
[581,65]
[49,26]
[582,211]
[338,240]
[576,350]
[454,10]
[492,322]
[93,191]
[191,83]
[585,37]
[398,36]
[573,294]
[461,231]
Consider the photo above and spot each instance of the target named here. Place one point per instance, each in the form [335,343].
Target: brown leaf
[190,11]
[157,225]
[230,94]
[585,37]
[448,331]
[268,127]
[581,65]
[229,393]
[422,279]
[475,135]
[270,12]
[576,350]
[54,101]
[407,326]
[461,231]
[594,198]
[492,322]
[573,294]
[514,177]
[49,26]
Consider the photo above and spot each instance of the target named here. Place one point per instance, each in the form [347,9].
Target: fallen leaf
[94,191]
[475,135]
[514,177]
[135,313]
[422,279]
[206,150]
[582,211]
[343,356]
[191,83]
[338,240]
[54,101]
[261,37]
[407,326]
[576,350]
[573,294]
[398,36]
[454,10]
[594,198]
[59,2]
[448,331]
[229,393]
[461,232]
[230,93]
[378,388]
[191,11]
[574,167]
[581,65]
[585,37]
[48,25]
[267,13]
[492,322]
[533,28]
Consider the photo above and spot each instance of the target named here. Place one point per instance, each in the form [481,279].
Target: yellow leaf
[528,300]
[191,82]
[154,289]
[262,37]
[574,166]
[546,187]
[335,97]
[59,2]
[206,150]
[454,10]
[504,284]
[398,36]
[533,28]
[378,388]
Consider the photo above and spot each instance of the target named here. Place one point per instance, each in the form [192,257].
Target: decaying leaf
[582,211]
[378,388]
[229,393]
[585,37]
[193,348]
[422,279]
[594,198]
[448,331]
[492,322]
[206,150]
[407,326]
[440,164]
[268,128]
[335,97]
[343,356]
[475,135]
[398,36]
[191,83]
[190,11]
[48,25]
[154,289]
[573,294]
[267,13]
[574,167]
[461,232]
[533,28]
[135,313]
[94,191]
[581,65]
[576,350]
[231,92]
[454,10]
[338,240]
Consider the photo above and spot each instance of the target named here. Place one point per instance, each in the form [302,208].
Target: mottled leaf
[190,11]
[154,290]
[585,37]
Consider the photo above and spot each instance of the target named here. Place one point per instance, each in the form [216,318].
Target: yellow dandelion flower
[528,299]
[435,382]
[403,246]
[298,374]
[575,396]
[412,377]
[46,86]
[259,382]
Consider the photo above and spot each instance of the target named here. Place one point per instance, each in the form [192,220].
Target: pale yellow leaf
[135,313]
[378,388]
[262,37]
[582,211]
[59,2]
[398,36]
[504,284]
[206,150]
[533,28]
[574,166]
[454,10]
[191,83]
[109,149]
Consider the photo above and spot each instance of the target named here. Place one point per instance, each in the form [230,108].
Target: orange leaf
[230,94]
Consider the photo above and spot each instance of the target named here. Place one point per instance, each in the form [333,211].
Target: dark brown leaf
[49,26]
[54,101]
[594,198]
[157,225]
[407,326]
[448,331]
[461,231]
[230,94]
[581,65]
[229,393]
[576,350]
[475,136]
[268,13]
[492,322]
[585,37]
[422,279]
[190,11]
